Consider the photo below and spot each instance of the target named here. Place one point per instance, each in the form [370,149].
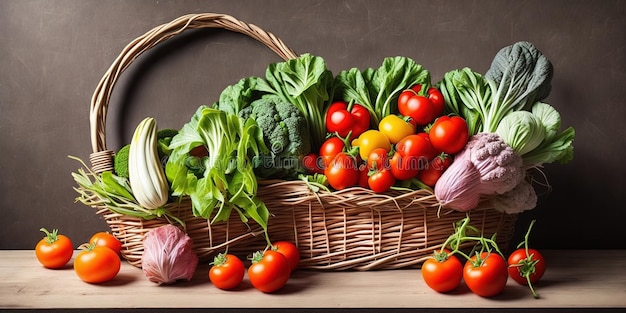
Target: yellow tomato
[370,140]
[395,128]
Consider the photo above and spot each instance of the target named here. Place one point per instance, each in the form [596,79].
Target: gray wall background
[53,53]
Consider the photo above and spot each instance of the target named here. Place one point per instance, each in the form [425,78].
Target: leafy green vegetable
[522,131]
[519,76]
[235,98]
[306,83]
[228,181]
[120,161]
[466,93]
[377,89]
[114,193]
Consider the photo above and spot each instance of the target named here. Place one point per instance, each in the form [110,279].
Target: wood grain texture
[573,280]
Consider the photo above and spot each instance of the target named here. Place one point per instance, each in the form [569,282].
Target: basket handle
[101,158]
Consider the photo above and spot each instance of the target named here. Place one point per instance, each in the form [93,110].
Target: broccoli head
[284,133]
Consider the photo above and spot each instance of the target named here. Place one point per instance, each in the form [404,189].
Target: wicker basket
[349,229]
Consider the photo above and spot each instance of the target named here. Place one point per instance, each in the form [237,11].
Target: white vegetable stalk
[146,175]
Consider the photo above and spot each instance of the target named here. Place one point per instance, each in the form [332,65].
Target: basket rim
[101,157]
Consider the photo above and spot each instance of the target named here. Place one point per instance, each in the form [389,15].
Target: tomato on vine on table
[290,251]
[97,264]
[270,271]
[226,271]
[526,265]
[485,274]
[54,250]
[106,239]
[443,272]
[343,118]
[449,134]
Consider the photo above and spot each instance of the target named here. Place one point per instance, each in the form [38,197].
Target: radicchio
[168,256]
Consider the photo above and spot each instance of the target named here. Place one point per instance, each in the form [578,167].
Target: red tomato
[412,154]
[341,119]
[54,250]
[419,108]
[106,239]
[449,134]
[486,276]
[313,163]
[330,148]
[363,176]
[227,271]
[269,271]
[431,174]
[381,180]
[443,272]
[343,171]
[521,264]
[97,264]
[378,159]
[435,96]
[290,251]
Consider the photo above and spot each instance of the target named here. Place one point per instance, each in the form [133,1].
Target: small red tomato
[381,180]
[435,96]
[442,272]
[330,148]
[313,163]
[342,119]
[378,159]
[97,264]
[290,251]
[419,108]
[227,271]
[106,239]
[527,268]
[343,171]
[431,174]
[54,250]
[269,271]
[486,274]
[449,134]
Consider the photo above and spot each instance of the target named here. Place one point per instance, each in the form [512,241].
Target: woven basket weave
[349,229]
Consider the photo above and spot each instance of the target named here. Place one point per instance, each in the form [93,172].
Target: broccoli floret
[285,134]
[120,161]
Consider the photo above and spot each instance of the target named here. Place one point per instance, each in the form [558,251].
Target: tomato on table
[486,274]
[270,271]
[522,263]
[97,264]
[106,239]
[443,272]
[226,271]
[290,251]
[54,250]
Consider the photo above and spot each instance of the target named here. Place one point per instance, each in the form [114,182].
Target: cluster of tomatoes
[485,273]
[270,269]
[98,262]
[415,144]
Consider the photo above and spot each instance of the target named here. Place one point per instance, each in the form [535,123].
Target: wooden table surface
[574,279]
